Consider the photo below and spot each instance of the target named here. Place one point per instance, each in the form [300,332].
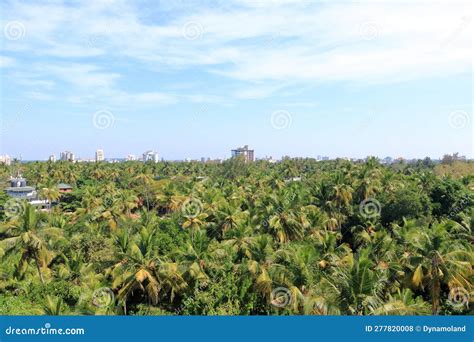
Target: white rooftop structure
[19,190]
[5,159]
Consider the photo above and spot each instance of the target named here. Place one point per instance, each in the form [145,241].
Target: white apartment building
[150,156]
[99,155]
[67,156]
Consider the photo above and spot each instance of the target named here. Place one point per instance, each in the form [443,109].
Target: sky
[192,79]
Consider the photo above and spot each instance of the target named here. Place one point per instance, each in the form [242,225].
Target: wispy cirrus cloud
[264,44]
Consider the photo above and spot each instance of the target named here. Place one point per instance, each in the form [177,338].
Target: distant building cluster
[68,156]
[100,157]
[244,152]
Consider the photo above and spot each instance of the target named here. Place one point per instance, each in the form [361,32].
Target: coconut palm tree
[29,236]
[434,258]
[238,237]
[53,306]
[356,284]
[50,193]
[141,270]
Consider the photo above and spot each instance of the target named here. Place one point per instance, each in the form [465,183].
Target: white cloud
[80,75]
[36,95]
[156,98]
[200,98]
[117,98]
[263,43]
[30,79]
[6,62]
[257,91]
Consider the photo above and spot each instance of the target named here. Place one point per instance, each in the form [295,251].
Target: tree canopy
[235,238]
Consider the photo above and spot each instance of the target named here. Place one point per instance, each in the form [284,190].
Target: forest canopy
[298,237]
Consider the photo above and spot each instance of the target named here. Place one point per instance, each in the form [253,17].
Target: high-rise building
[52,158]
[150,156]
[67,156]
[247,154]
[99,155]
[131,157]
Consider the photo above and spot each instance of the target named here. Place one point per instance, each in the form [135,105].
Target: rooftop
[64,186]
[20,189]
[244,148]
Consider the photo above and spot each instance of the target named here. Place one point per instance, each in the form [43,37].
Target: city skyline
[153,155]
[191,81]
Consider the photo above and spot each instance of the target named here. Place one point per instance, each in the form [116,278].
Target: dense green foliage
[296,237]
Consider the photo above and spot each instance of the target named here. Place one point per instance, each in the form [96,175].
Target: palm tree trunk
[435,287]
[39,267]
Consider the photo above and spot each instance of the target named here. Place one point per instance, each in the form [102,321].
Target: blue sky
[195,79]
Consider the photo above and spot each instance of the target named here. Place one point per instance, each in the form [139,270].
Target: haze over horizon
[196,79]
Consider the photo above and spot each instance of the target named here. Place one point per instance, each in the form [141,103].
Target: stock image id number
[389,328]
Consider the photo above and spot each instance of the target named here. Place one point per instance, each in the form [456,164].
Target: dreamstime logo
[459,207]
[459,297]
[43,330]
[369,30]
[281,119]
[465,21]
[370,208]
[281,297]
[14,30]
[191,208]
[13,208]
[459,119]
[103,119]
[103,297]
[289,198]
[192,30]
